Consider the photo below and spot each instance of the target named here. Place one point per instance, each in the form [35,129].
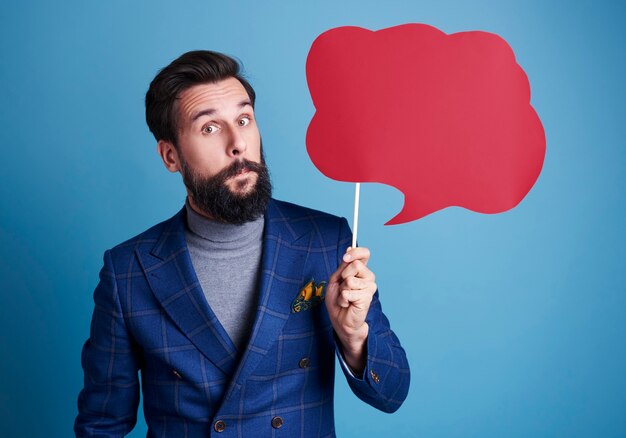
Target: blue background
[513,323]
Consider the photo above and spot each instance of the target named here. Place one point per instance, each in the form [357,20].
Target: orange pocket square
[309,296]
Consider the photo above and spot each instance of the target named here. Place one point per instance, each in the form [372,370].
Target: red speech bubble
[446,119]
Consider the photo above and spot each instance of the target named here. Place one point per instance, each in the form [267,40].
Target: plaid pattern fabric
[151,315]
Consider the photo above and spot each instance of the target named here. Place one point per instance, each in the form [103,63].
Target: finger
[337,274]
[359,253]
[360,299]
[349,297]
[356,283]
[357,269]
[367,288]
[343,299]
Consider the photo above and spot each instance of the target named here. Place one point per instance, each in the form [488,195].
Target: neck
[215,231]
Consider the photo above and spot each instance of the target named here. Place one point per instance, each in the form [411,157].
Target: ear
[169,155]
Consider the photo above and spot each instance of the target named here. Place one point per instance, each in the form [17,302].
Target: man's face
[219,152]
[216,126]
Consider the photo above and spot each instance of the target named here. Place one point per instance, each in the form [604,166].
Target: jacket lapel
[284,257]
[173,281]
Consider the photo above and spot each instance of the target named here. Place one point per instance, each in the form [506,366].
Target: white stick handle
[355,224]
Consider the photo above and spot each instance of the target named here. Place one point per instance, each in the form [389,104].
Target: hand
[348,298]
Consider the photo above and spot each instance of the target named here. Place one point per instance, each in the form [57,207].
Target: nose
[237,145]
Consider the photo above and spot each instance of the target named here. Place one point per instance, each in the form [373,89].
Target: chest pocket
[310,320]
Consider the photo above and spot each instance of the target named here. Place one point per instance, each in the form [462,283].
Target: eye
[244,121]
[209,129]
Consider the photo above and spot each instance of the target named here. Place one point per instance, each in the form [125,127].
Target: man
[234,308]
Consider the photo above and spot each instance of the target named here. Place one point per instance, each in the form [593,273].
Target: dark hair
[191,68]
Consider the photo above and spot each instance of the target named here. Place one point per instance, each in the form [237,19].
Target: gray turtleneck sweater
[227,261]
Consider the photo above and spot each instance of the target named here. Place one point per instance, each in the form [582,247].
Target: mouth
[241,173]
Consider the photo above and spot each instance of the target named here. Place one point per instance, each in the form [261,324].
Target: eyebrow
[211,111]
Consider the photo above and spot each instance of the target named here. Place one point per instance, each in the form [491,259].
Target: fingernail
[347,257]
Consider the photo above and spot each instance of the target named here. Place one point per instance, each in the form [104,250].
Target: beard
[213,197]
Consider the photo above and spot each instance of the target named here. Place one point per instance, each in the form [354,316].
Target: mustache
[238,166]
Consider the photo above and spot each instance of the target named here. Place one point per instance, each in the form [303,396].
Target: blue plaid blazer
[151,315]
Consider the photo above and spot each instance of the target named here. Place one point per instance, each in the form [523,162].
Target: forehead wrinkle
[209,96]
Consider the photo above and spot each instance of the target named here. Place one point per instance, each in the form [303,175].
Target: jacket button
[219,426]
[277,422]
[304,362]
[177,375]
[375,377]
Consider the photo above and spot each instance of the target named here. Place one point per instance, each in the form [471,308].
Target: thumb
[336,276]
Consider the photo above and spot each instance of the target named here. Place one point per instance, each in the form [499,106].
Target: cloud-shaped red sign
[446,119]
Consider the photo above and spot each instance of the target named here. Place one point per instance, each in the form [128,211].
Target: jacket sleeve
[107,404]
[386,377]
